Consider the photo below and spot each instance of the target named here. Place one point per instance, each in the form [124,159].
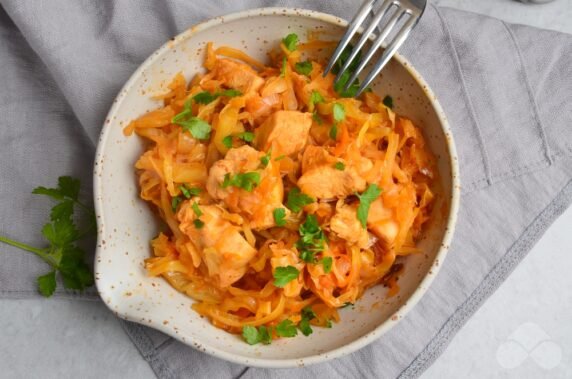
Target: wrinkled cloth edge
[490,283]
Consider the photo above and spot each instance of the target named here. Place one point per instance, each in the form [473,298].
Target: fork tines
[403,12]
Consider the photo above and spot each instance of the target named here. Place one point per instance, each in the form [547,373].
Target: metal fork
[408,11]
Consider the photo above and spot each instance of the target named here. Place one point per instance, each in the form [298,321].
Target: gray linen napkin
[506,89]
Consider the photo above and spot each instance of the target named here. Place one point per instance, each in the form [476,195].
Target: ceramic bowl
[126,223]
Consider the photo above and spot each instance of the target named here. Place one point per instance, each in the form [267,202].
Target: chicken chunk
[286,132]
[320,179]
[224,250]
[258,205]
[242,159]
[346,225]
[381,222]
[237,75]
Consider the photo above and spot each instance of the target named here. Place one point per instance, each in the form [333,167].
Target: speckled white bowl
[126,224]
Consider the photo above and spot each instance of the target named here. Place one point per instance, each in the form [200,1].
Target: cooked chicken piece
[320,179]
[258,205]
[224,250]
[237,75]
[282,257]
[241,159]
[262,107]
[381,222]
[346,225]
[285,131]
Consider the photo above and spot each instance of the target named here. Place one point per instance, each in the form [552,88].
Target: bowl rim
[409,302]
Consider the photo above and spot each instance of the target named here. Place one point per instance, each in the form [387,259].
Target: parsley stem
[42,253]
[21,245]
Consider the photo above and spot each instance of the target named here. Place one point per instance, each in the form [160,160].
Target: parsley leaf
[279,215]
[344,56]
[312,239]
[327,263]
[198,128]
[340,166]
[247,181]
[62,254]
[47,284]
[365,199]
[290,41]
[304,324]
[297,200]
[246,136]
[204,97]
[284,275]
[175,203]
[339,112]
[316,117]
[388,101]
[252,335]
[286,328]
[189,192]
[316,97]
[334,132]
[227,141]
[68,187]
[266,158]
[230,93]
[198,223]
[304,68]
[341,83]
[196,209]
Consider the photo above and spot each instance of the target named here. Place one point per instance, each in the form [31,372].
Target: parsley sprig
[62,255]
[247,181]
[312,239]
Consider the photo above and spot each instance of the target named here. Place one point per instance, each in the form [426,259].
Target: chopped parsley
[245,136]
[304,324]
[297,200]
[266,158]
[327,264]
[388,101]
[312,239]
[189,192]
[316,117]
[253,335]
[290,41]
[316,97]
[175,203]
[286,328]
[198,223]
[340,166]
[227,141]
[339,112]
[206,97]
[247,181]
[284,275]
[196,209]
[339,86]
[198,128]
[365,199]
[334,132]
[303,68]
[279,215]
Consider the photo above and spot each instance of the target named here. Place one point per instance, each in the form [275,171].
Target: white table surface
[524,330]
